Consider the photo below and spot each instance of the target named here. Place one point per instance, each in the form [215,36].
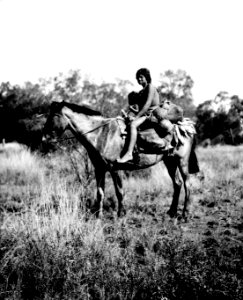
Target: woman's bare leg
[133,139]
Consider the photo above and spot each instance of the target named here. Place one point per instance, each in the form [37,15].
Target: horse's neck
[109,142]
[99,135]
[83,124]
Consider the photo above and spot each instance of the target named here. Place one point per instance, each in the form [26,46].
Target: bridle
[93,129]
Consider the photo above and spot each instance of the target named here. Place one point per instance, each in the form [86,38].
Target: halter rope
[96,128]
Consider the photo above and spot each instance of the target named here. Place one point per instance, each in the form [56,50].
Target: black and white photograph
[121,150]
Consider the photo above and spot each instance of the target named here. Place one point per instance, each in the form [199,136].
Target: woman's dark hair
[146,73]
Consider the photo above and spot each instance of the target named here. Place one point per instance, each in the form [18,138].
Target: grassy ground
[50,248]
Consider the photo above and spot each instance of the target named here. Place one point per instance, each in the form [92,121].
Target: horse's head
[56,123]
[63,115]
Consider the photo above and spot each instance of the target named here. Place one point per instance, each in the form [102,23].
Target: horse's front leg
[118,184]
[171,164]
[100,181]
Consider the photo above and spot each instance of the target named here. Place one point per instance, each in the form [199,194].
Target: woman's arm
[148,101]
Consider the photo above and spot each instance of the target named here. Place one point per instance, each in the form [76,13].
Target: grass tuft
[51,248]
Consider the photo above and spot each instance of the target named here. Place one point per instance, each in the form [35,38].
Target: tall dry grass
[51,248]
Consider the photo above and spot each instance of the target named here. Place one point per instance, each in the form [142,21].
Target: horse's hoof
[172,213]
[185,217]
[121,213]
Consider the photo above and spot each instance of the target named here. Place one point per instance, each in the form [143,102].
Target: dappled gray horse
[102,138]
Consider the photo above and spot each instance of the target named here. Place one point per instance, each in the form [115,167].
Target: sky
[108,39]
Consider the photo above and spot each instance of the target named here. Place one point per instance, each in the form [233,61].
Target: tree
[222,116]
[64,87]
[20,108]
[177,86]
[108,98]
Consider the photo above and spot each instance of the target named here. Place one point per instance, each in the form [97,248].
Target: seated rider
[147,103]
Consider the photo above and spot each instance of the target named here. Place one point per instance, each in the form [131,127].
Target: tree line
[23,109]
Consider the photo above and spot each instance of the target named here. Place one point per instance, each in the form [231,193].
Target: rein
[93,129]
[102,125]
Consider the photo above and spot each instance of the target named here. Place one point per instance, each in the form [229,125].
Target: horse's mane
[84,109]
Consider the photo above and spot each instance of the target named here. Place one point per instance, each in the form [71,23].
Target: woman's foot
[125,158]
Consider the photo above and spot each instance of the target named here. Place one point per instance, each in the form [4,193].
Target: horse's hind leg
[100,180]
[183,167]
[171,164]
[118,184]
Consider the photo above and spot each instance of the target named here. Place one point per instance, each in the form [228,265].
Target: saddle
[151,137]
[150,142]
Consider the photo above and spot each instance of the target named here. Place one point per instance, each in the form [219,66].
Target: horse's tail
[193,164]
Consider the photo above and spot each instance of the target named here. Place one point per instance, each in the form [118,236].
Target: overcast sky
[113,38]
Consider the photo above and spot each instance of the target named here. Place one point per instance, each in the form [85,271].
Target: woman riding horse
[147,103]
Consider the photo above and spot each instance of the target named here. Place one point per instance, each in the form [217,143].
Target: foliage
[23,109]
[64,87]
[108,98]
[177,87]
[21,113]
[220,120]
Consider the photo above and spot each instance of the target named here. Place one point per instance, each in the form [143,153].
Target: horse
[104,141]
